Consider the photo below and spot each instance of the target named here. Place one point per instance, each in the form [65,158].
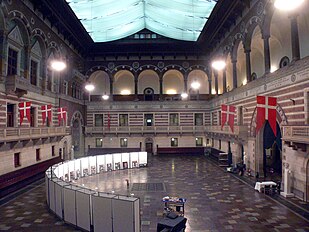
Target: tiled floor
[216,201]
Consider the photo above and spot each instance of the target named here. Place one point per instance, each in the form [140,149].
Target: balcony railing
[241,131]
[146,129]
[298,134]
[11,134]
[238,130]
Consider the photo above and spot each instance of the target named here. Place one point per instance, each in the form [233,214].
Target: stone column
[234,63]
[111,87]
[161,86]
[295,38]
[185,79]
[224,80]
[266,53]
[216,81]
[3,53]
[287,174]
[209,86]
[136,87]
[248,64]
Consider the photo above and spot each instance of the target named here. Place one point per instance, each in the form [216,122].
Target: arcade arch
[123,82]
[173,82]
[148,79]
[200,77]
[101,81]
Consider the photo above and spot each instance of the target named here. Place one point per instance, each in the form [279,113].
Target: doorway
[149,145]
[148,94]
[148,119]
[272,152]
[10,115]
[149,148]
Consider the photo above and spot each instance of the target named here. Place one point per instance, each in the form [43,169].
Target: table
[175,204]
[173,225]
[260,185]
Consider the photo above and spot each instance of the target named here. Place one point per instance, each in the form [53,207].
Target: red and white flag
[266,110]
[24,111]
[228,114]
[62,114]
[46,112]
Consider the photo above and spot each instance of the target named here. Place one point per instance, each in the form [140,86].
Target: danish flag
[46,112]
[62,114]
[266,110]
[24,110]
[228,114]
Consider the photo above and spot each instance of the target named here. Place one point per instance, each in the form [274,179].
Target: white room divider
[87,208]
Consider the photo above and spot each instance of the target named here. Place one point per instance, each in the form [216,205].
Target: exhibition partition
[89,209]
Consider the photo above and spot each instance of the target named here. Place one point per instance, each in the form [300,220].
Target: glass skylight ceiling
[108,20]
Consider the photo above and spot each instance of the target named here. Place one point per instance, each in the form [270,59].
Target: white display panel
[102,212]
[137,215]
[47,177]
[124,214]
[72,174]
[142,158]
[52,195]
[85,166]
[69,203]
[83,210]
[58,198]
[77,166]
[101,167]
[125,160]
[117,161]
[93,165]
[65,171]
[134,159]
[55,171]
[109,162]
[60,172]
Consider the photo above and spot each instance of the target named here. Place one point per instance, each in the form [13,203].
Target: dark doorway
[32,116]
[242,152]
[148,119]
[148,94]
[272,147]
[10,115]
[149,147]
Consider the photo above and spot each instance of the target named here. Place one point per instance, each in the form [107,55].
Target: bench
[15,180]
[180,150]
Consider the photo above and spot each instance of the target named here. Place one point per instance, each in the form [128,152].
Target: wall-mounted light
[273,68]
[171,91]
[244,82]
[105,97]
[184,95]
[125,92]
[218,65]
[195,85]
[293,101]
[89,87]
[58,65]
[287,5]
